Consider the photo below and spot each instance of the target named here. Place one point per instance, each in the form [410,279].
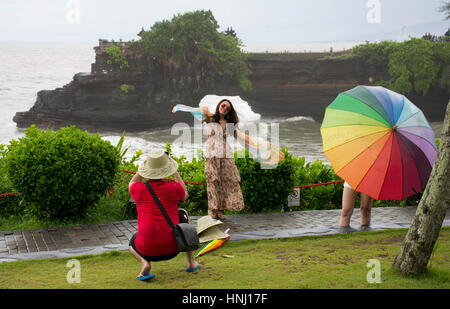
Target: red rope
[204,184]
[319,184]
[305,186]
[7,194]
[129,172]
[185,181]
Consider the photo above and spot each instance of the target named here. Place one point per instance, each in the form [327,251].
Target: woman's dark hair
[230,117]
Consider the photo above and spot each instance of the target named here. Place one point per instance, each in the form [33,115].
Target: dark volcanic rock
[284,85]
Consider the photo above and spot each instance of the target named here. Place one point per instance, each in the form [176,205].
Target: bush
[266,190]
[116,56]
[61,173]
[11,204]
[320,197]
[194,171]
[125,88]
[121,194]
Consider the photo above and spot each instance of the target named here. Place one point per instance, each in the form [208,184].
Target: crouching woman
[154,240]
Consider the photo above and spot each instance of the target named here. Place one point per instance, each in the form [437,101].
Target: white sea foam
[299,118]
[287,119]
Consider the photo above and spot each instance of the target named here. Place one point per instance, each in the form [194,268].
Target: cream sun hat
[208,229]
[158,165]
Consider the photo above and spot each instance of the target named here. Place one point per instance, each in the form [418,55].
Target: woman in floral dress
[222,175]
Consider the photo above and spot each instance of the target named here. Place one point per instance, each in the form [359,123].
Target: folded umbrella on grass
[212,245]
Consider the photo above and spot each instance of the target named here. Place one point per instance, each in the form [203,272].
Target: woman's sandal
[141,277]
[221,216]
[190,270]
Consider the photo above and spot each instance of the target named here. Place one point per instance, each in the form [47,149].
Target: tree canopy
[413,65]
[445,8]
[193,39]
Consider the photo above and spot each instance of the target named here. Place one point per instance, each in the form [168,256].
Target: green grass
[335,261]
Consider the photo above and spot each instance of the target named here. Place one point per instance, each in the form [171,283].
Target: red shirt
[154,236]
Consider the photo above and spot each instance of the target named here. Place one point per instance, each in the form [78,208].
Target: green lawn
[336,261]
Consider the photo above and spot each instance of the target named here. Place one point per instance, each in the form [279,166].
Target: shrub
[121,192]
[194,171]
[116,56]
[11,204]
[61,173]
[125,88]
[262,189]
[266,190]
[320,197]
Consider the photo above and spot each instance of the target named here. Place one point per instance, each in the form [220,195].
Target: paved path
[97,238]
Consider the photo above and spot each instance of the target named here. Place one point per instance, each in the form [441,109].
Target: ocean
[27,68]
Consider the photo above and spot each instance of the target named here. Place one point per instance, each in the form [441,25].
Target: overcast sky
[255,21]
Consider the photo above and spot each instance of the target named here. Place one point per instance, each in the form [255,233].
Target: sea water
[27,68]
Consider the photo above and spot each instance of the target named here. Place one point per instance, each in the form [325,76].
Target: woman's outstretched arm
[246,140]
[200,112]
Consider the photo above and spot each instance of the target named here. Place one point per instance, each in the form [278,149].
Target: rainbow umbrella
[212,245]
[379,142]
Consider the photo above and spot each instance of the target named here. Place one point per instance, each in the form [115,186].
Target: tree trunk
[424,230]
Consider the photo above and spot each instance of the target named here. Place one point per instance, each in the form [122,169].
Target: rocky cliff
[141,96]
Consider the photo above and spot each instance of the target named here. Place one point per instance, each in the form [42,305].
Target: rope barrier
[305,186]
[7,194]
[319,184]
[204,184]
[185,181]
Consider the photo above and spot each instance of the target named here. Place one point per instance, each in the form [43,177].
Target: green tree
[191,41]
[414,254]
[414,65]
[230,31]
[445,8]
[116,56]
[375,53]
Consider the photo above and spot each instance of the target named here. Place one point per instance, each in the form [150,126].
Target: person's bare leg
[366,209]
[145,266]
[191,263]
[348,204]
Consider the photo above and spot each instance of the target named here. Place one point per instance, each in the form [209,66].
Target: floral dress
[222,175]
